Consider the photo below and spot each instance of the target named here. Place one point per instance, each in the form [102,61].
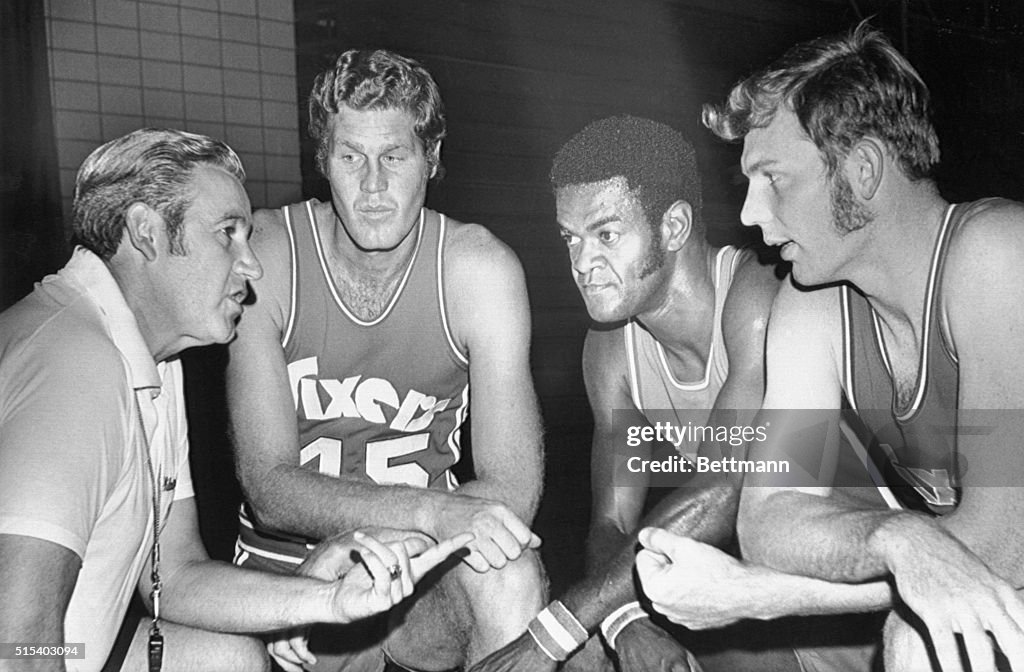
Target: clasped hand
[499,536]
[693,584]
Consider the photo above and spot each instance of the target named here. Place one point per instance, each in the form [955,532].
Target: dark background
[518,78]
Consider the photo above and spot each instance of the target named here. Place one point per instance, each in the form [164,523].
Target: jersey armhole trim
[720,358]
[933,273]
[634,384]
[716,334]
[442,306]
[454,439]
[294,274]
[847,373]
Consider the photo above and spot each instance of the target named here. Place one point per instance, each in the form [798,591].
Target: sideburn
[847,214]
[654,258]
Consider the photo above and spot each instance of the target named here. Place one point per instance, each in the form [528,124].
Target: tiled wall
[225,68]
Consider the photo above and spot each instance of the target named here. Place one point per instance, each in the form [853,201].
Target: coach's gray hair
[152,166]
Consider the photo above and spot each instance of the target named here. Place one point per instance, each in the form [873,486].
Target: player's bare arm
[793,526]
[803,530]
[802,354]
[706,507]
[490,322]
[794,338]
[616,509]
[983,277]
[700,587]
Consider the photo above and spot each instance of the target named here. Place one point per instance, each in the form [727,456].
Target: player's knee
[521,581]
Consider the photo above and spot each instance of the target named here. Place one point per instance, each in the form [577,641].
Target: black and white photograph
[512,335]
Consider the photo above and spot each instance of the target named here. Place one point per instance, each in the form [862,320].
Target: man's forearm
[814,536]
[217,596]
[705,511]
[604,542]
[522,496]
[774,594]
[821,537]
[298,501]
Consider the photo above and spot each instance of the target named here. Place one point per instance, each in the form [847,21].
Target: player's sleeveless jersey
[652,385]
[913,449]
[382,400]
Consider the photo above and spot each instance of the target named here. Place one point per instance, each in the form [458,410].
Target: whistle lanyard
[156,639]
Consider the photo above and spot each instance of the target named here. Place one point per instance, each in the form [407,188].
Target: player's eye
[609,237]
[569,239]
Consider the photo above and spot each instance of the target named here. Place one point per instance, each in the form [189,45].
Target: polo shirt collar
[92,275]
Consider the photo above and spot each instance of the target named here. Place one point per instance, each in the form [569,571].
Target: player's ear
[865,165]
[142,226]
[677,225]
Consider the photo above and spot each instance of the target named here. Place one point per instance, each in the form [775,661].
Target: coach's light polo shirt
[72,462]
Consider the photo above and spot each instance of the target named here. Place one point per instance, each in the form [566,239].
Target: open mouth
[785,246]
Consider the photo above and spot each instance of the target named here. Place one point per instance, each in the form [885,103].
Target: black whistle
[156,652]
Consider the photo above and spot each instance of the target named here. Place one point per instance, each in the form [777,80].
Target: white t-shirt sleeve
[63,438]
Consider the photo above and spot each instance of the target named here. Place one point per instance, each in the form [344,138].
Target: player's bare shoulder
[988,244]
[477,265]
[984,266]
[470,250]
[751,294]
[269,233]
[484,285]
[272,245]
[804,317]
[604,348]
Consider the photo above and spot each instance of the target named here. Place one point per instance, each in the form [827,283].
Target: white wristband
[619,619]
[557,632]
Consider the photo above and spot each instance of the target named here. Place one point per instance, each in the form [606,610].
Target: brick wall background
[225,68]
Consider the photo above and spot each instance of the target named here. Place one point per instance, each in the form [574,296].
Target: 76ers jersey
[913,448]
[381,400]
[652,385]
